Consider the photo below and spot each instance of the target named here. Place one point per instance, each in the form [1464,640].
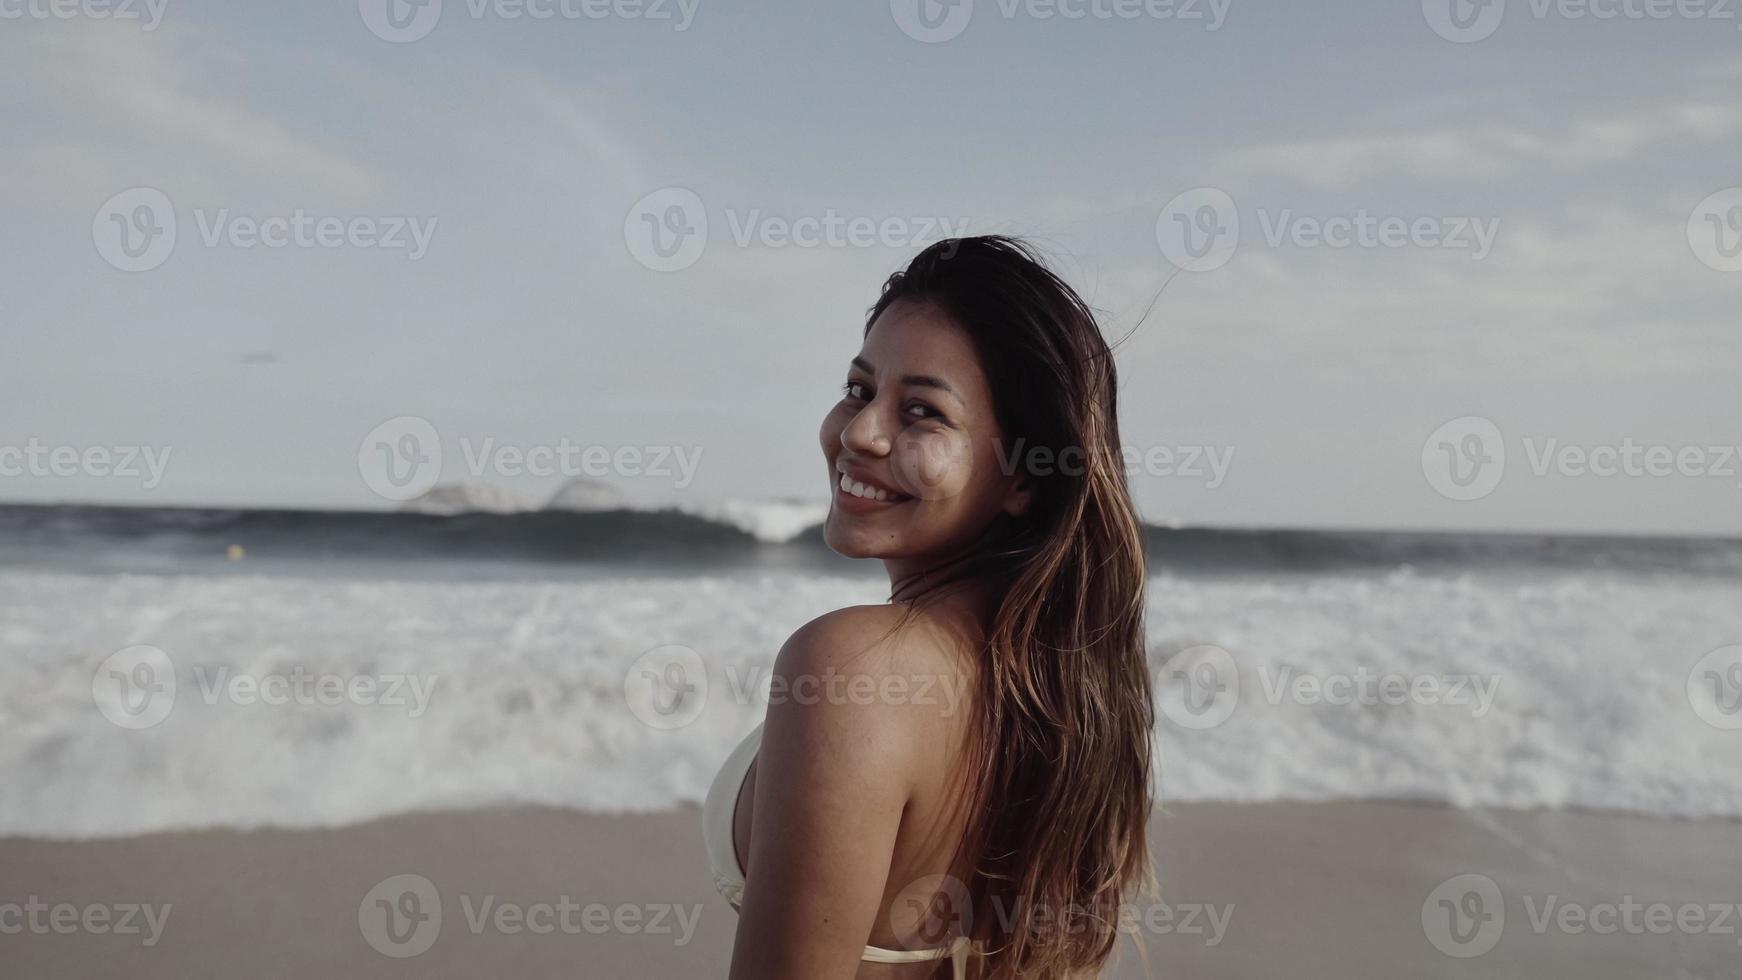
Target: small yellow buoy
[236,552]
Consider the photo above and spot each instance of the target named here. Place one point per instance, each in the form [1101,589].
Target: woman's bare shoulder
[894,676]
[882,641]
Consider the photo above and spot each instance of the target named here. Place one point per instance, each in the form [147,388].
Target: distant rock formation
[585,495]
[470,497]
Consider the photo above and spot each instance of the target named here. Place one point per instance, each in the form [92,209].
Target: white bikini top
[718,813]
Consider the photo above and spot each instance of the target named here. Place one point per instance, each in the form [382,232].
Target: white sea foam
[771,521]
[529,704]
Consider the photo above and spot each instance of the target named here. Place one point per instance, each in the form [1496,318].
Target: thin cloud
[154,96]
[1484,151]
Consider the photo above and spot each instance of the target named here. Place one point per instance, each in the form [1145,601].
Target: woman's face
[915,455]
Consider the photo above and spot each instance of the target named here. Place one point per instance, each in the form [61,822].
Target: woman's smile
[858,493]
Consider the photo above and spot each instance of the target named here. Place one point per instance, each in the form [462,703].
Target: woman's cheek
[834,423]
[933,464]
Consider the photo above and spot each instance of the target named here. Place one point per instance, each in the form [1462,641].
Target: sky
[1421,264]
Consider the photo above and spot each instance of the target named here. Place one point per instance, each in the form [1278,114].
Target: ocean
[165,669]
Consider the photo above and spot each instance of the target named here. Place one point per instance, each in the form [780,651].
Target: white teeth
[857,489]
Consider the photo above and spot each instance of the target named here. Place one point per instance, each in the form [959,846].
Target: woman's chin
[847,536]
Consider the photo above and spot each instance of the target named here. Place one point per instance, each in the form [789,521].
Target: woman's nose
[866,433]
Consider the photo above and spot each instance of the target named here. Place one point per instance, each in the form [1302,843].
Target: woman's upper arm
[832,781]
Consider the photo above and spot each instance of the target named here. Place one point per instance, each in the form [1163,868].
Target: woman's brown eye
[854,389]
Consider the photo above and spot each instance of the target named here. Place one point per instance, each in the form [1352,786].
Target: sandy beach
[1330,890]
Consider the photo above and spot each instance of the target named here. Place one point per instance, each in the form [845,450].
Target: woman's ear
[1017,497]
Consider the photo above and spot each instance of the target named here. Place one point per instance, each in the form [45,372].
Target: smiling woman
[896,836]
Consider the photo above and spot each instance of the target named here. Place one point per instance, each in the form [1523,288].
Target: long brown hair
[1059,789]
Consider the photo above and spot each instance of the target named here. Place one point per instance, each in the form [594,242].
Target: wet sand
[1332,890]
